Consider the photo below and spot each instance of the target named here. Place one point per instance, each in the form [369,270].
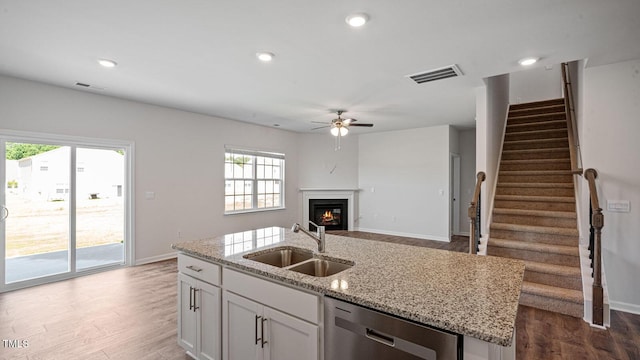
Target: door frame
[454,196]
[74,142]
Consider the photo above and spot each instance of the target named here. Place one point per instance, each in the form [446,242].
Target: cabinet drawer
[295,302]
[199,269]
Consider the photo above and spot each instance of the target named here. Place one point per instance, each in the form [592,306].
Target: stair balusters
[596,223]
[474,214]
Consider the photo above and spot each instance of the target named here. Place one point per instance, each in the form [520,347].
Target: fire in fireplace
[330,213]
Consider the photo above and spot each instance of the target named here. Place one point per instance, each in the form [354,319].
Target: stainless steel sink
[281,257]
[320,267]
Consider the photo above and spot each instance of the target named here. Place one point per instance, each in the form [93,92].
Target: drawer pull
[194,268]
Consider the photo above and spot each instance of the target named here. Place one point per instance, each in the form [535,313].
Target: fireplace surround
[351,195]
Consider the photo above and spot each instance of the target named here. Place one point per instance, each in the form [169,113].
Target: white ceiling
[199,55]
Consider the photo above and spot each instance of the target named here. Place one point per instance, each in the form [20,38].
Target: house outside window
[254,181]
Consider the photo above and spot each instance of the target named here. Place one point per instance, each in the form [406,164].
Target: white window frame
[254,179]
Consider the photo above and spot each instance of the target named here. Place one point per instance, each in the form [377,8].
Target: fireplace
[330,213]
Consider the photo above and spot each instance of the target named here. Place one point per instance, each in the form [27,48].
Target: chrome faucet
[318,236]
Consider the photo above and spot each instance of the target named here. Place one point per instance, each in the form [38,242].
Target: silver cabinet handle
[256,328]
[190,298]
[5,210]
[262,332]
[195,300]
[194,268]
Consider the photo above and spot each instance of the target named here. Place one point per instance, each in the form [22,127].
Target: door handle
[262,332]
[5,212]
[258,317]
[383,339]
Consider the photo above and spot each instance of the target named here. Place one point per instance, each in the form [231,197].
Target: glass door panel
[37,182]
[100,179]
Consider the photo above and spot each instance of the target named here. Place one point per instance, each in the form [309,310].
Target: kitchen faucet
[318,236]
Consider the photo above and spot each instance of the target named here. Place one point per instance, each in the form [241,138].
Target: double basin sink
[299,260]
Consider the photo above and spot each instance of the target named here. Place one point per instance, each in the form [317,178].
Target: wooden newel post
[598,296]
[474,215]
[472,231]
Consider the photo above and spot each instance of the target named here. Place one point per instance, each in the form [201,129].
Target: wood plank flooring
[131,314]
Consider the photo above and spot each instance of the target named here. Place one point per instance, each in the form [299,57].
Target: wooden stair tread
[532,141]
[537,213]
[533,116]
[564,199]
[525,151]
[553,292]
[536,104]
[560,270]
[536,172]
[533,246]
[537,132]
[534,161]
[535,229]
[535,185]
[533,123]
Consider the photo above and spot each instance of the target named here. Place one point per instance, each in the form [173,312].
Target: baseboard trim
[152,259]
[626,307]
[395,233]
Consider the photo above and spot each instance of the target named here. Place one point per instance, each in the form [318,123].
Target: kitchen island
[475,296]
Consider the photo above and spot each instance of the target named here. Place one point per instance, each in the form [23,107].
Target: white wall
[178,155]
[492,103]
[535,84]
[321,166]
[610,124]
[404,177]
[467,175]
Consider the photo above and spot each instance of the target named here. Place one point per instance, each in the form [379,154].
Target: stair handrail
[574,144]
[596,223]
[474,213]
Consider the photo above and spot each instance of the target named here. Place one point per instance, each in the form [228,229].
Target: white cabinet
[255,331]
[199,308]
[265,320]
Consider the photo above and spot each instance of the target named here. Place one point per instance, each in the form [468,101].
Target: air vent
[82,84]
[436,74]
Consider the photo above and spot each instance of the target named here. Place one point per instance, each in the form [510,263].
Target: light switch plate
[619,206]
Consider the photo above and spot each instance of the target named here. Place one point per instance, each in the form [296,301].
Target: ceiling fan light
[344,131]
[357,20]
[335,131]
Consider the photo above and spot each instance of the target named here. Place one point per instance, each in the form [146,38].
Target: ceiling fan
[340,126]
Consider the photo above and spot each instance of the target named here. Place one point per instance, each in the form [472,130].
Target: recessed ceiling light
[357,20]
[265,56]
[528,61]
[107,63]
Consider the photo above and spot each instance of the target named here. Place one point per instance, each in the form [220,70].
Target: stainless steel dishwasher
[353,332]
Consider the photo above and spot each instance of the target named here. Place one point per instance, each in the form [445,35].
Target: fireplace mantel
[322,193]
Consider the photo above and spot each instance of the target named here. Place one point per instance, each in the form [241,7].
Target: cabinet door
[242,328]
[187,317]
[289,338]
[209,321]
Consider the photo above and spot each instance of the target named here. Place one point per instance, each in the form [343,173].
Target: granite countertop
[471,295]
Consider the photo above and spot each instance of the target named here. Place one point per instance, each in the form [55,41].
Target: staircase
[534,215]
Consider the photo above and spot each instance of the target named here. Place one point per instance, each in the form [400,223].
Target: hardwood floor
[131,314]
[122,314]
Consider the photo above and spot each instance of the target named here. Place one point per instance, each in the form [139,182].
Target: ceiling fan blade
[321,127]
[349,121]
[320,122]
[363,125]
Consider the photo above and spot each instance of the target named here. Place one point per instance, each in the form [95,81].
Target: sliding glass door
[64,209]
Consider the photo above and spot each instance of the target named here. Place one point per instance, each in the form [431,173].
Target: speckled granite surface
[471,295]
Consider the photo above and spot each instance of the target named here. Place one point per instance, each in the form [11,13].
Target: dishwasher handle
[383,339]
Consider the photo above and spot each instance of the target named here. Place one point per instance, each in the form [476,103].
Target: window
[253,181]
